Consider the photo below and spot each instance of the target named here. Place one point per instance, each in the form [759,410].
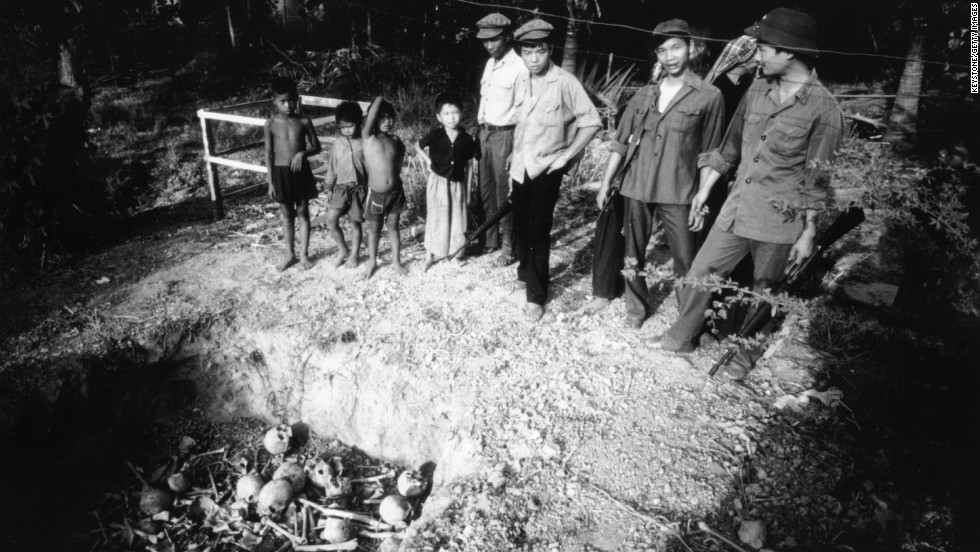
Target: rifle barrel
[729,354]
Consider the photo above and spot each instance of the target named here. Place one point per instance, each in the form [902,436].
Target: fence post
[212,169]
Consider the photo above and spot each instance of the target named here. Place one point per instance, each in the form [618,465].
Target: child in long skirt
[447,151]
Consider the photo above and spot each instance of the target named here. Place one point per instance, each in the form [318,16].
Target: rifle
[845,222]
[500,213]
[611,194]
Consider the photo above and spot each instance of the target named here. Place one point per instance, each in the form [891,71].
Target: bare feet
[288,262]
[351,261]
[368,270]
[305,262]
[400,268]
[340,258]
[533,312]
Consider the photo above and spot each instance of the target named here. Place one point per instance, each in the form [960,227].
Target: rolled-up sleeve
[713,123]
[576,98]
[824,144]
[620,143]
[723,158]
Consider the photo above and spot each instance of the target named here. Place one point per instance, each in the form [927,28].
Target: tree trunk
[370,37]
[904,114]
[578,11]
[231,28]
[71,71]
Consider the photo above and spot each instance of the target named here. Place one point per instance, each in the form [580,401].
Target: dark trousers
[639,222]
[495,185]
[721,252]
[534,213]
[610,248]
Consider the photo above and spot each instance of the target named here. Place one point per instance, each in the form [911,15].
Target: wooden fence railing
[214,158]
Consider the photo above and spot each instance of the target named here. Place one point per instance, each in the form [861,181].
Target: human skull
[411,484]
[248,487]
[180,482]
[394,509]
[274,497]
[292,472]
[276,440]
[153,501]
[337,530]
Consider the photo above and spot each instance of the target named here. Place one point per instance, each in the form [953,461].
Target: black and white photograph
[489,276]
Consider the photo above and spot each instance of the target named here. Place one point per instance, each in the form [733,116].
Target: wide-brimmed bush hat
[788,29]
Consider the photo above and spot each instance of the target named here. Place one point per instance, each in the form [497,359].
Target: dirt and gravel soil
[580,443]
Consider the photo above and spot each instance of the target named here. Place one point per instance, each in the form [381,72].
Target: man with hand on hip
[555,121]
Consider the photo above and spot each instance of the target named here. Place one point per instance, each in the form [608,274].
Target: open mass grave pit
[94,447]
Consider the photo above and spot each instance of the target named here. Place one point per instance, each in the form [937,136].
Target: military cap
[492,26]
[535,29]
[675,28]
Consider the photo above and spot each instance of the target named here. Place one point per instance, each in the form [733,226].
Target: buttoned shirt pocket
[551,112]
[502,90]
[683,119]
[788,140]
[639,114]
[753,124]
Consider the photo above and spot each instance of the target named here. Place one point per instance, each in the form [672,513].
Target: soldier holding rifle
[663,130]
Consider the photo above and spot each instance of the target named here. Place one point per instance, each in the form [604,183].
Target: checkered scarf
[736,53]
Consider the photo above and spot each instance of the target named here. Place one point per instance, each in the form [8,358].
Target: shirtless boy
[346,183]
[383,155]
[289,141]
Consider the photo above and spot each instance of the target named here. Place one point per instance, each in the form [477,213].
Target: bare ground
[582,444]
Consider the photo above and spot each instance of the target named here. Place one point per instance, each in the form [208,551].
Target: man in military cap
[663,130]
[555,121]
[783,137]
[497,120]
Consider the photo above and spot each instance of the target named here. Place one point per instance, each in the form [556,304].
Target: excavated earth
[554,436]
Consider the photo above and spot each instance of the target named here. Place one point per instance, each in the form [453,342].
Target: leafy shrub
[363,71]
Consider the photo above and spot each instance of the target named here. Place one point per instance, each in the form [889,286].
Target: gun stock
[844,223]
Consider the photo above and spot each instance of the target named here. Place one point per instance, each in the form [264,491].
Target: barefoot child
[290,178]
[383,155]
[447,151]
[346,183]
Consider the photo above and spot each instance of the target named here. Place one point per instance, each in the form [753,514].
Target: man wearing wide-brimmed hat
[783,137]
[497,120]
[555,121]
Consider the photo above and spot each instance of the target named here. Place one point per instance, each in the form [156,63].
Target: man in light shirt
[555,121]
[496,117]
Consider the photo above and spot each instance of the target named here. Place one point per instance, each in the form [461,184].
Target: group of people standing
[734,167]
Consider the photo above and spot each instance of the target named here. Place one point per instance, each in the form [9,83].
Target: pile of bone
[306,504]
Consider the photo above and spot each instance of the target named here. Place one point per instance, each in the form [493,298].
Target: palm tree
[904,114]
[580,14]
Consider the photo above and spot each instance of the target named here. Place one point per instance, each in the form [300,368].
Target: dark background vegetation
[215,50]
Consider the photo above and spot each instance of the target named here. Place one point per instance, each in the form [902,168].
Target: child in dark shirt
[346,183]
[289,141]
[447,151]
